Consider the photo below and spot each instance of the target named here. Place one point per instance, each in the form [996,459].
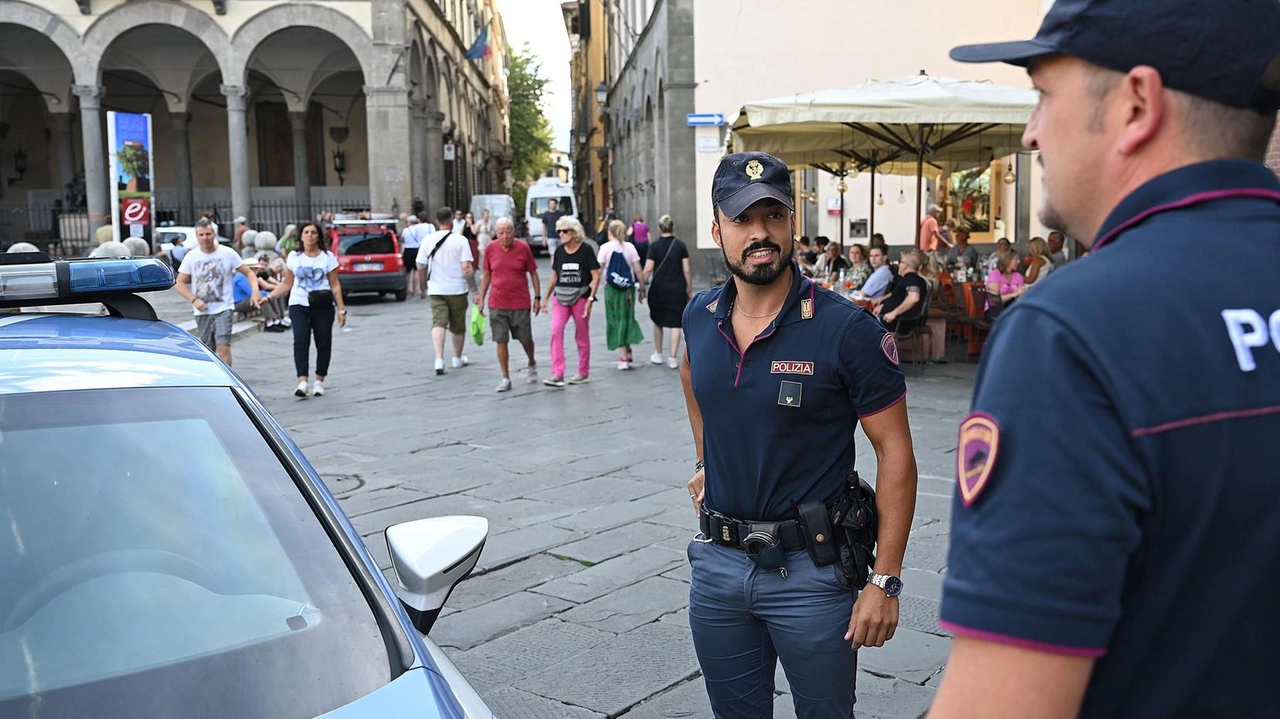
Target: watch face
[892,586]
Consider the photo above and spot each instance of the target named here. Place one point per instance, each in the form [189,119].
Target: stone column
[433,141]
[387,109]
[182,167]
[66,148]
[95,158]
[418,152]
[238,142]
[301,165]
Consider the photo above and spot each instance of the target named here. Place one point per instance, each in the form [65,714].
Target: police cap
[1216,50]
[745,178]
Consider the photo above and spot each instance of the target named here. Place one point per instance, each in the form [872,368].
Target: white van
[539,200]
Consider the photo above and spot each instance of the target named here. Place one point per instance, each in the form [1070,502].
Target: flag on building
[479,48]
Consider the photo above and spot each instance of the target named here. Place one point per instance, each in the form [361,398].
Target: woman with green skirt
[620,263]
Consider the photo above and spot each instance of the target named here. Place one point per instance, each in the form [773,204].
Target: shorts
[511,323]
[450,312]
[410,257]
[214,330]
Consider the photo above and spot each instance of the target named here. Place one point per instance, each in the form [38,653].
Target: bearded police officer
[1116,531]
[777,375]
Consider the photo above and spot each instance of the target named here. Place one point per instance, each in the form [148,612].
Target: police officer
[777,374]
[1123,562]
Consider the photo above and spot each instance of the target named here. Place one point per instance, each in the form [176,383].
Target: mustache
[761,245]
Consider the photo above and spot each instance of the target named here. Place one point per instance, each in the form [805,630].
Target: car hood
[419,693]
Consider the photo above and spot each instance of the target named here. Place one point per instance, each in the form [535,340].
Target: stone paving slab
[642,603]
[533,649]
[502,549]
[373,500]
[466,629]
[598,490]
[610,679]
[484,588]
[509,702]
[926,555]
[612,575]
[611,543]
[911,655]
[684,701]
[433,507]
[882,698]
[608,516]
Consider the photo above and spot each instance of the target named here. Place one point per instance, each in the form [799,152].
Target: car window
[366,243]
[159,561]
[564,205]
[170,236]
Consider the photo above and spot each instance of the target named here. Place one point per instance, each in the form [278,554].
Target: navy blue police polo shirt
[779,420]
[1119,479]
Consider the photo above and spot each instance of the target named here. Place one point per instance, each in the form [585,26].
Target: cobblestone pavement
[578,608]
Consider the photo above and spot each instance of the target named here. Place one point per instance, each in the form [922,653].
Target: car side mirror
[430,556]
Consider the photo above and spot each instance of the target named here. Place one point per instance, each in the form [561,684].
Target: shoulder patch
[712,307]
[890,348]
[976,454]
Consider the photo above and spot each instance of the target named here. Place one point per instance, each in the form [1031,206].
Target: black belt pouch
[815,522]
[320,299]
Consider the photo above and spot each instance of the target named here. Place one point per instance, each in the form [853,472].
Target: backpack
[618,274]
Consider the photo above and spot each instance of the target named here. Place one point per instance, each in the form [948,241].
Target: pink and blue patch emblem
[976,455]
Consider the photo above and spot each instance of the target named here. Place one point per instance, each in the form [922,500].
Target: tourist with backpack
[621,263]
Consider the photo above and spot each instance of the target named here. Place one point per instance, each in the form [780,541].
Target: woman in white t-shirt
[311,281]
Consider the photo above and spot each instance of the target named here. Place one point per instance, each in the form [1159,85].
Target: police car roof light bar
[31,278]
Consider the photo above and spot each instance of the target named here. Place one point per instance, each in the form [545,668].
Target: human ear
[1146,104]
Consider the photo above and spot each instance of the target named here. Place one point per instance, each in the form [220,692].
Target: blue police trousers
[745,618]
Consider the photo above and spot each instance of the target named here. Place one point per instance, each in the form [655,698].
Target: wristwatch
[891,585]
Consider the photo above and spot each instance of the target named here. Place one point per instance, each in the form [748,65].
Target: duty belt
[731,532]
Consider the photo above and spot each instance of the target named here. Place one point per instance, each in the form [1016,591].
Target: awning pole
[872,229]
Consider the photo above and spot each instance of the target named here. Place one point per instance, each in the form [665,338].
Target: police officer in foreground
[1116,532]
[777,375]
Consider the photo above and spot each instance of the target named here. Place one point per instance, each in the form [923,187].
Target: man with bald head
[506,264]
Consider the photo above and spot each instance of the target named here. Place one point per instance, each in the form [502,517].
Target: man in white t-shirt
[415,229]
[446,269]
[205,279]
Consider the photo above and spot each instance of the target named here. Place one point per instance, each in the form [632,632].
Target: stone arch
[114,23]
[59,33]
[282,17]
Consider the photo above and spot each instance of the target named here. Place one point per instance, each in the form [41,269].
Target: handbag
[569,296]
[320,299]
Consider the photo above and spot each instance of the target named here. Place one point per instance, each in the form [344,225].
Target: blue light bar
[141,275]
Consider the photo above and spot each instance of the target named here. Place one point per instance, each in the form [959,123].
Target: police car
[166,550]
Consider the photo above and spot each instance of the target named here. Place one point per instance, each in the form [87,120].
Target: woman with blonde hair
[575,275]
[623,278]
[1038,262]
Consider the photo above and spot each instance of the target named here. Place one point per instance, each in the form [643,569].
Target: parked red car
[368,257]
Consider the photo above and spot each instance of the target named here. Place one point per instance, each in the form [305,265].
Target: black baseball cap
[1215,49]
[745,178]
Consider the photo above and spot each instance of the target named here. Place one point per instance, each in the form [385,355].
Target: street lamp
[602,94]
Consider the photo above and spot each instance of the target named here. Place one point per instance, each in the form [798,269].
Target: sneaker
[554,381]
[302,390]
[579,379]
[504,385]
[439,366]
[624,365]
[317,389]
[276,327]
[673,363]
[531,375]
[459,362]
[656,358]
[286,322]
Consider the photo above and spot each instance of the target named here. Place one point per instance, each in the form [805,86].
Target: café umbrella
[889,127]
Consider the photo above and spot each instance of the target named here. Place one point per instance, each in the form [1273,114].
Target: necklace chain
[757,317]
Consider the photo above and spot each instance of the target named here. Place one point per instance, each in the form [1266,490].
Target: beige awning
[950,124]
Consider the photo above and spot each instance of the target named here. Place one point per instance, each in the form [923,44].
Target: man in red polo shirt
[506,263]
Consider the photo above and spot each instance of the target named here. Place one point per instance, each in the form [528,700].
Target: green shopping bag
[478,325]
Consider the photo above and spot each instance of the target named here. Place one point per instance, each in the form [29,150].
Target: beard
[759,274]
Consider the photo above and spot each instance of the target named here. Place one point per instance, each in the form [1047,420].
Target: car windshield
[159,561]
[366,243]
[564,205]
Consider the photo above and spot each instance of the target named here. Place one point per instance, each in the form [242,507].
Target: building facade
[257,105]
[669,58]
[587,24]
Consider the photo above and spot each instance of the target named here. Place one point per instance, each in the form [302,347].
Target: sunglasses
[561,232]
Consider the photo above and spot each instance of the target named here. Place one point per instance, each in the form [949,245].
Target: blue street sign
[704,120]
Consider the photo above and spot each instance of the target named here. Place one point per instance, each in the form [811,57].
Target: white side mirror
[430,557]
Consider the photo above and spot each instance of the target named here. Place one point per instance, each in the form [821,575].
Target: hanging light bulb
[1009,177]
[902,197]
[880,200]
[842,186]
[854,172]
